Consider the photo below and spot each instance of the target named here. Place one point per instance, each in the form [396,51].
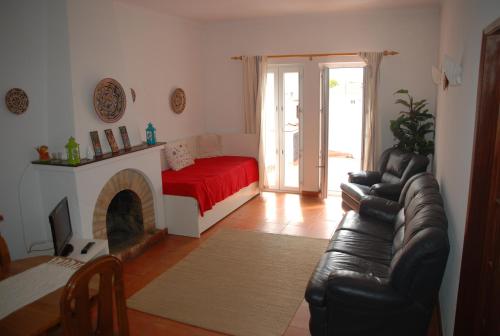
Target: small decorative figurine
[151,135]
[73,150]
[43,153]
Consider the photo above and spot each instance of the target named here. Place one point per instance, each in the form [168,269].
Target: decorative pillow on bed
[178,156]
[209,145]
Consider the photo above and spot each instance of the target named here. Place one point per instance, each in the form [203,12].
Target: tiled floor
[269,212]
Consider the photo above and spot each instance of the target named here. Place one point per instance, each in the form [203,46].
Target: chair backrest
[4,256]
[77,299]
[420,245]
[397,166]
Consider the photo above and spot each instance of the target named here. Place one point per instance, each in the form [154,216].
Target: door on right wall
[345,124]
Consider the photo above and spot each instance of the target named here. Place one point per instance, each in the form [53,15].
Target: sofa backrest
[397,167]
[420,245]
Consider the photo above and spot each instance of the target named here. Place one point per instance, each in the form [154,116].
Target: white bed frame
[182,214]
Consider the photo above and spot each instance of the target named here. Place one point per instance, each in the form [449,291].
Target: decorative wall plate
[178,100]
[109,100]
[132,92]
[16,100]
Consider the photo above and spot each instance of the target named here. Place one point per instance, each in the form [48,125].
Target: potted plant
[414,128]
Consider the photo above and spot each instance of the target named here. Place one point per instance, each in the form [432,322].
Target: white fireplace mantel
[82,185]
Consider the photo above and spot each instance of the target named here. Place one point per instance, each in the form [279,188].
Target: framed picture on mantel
[125,138]
[111,140]
[96,143]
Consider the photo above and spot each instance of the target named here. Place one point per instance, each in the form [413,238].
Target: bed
[198,196]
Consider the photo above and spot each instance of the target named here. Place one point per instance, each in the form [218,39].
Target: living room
[57,51]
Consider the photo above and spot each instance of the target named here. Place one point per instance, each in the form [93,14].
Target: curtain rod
[310,56]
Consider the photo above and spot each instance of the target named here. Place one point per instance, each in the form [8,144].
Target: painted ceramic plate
[17,101]
[109,100]
[178,100]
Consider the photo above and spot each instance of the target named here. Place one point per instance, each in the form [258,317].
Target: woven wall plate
[132,92]
[109,100]
[17,101]
[178,100]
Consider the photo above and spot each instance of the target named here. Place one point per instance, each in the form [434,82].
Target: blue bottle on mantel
[150,135]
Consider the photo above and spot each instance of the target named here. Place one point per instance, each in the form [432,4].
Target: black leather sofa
[383,267]
[395,168]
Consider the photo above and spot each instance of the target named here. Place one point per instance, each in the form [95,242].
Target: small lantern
[150,135]
[73,150]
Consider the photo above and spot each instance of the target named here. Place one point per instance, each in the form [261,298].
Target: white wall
[23,64]
[57,51]
[150,52]
[462,22]
[412,32]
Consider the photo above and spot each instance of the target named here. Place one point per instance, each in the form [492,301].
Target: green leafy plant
[414,128]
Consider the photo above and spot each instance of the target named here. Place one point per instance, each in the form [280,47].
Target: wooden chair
[4,256]
[76,314]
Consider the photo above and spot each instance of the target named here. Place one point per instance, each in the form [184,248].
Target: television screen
[60,225]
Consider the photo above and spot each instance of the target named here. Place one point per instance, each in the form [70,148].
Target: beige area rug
[237,282]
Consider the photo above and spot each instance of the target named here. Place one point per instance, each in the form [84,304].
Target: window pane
[291,129]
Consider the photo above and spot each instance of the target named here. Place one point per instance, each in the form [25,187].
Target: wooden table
[37,317]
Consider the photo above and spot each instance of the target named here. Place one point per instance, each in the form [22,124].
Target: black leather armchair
[395,168]
[383,267]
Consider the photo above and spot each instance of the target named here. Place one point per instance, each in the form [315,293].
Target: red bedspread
[211,180]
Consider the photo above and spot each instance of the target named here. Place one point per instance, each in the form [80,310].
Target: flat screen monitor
[60,224]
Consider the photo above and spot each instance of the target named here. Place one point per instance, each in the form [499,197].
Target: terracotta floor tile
[295,331]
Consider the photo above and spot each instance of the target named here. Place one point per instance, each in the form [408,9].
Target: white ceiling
[219,10]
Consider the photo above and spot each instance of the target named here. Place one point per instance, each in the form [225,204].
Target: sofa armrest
[316,288]
[387,190]
[366,178]
[379,208]
[361,291]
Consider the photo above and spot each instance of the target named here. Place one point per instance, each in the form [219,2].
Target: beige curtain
[254,75]
[370,131]
[254,84]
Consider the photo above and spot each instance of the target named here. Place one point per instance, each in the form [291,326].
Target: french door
[283,131]
[341,124]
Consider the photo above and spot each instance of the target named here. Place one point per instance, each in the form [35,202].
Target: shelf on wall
[83,162]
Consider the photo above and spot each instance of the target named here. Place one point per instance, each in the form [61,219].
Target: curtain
[370,131]
[254,87]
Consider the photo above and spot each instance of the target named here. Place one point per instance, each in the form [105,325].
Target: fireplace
[91,189]
[124,223]
[124,214]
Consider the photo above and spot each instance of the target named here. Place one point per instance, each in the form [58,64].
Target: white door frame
[279,70]
[324,119]
[324,129]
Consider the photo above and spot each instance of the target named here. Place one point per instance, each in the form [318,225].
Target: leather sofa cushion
[361,245]
[338,261]
[353,221]
[390,178]
[397,163]
[356,191]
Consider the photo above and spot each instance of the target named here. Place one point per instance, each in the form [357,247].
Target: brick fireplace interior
[124,222]
[124,214]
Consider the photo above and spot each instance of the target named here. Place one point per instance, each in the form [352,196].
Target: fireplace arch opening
[136,185]
[124,221]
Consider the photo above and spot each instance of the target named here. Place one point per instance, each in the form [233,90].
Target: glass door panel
[271,130]
[345,124]
[290,127]
[282,135]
